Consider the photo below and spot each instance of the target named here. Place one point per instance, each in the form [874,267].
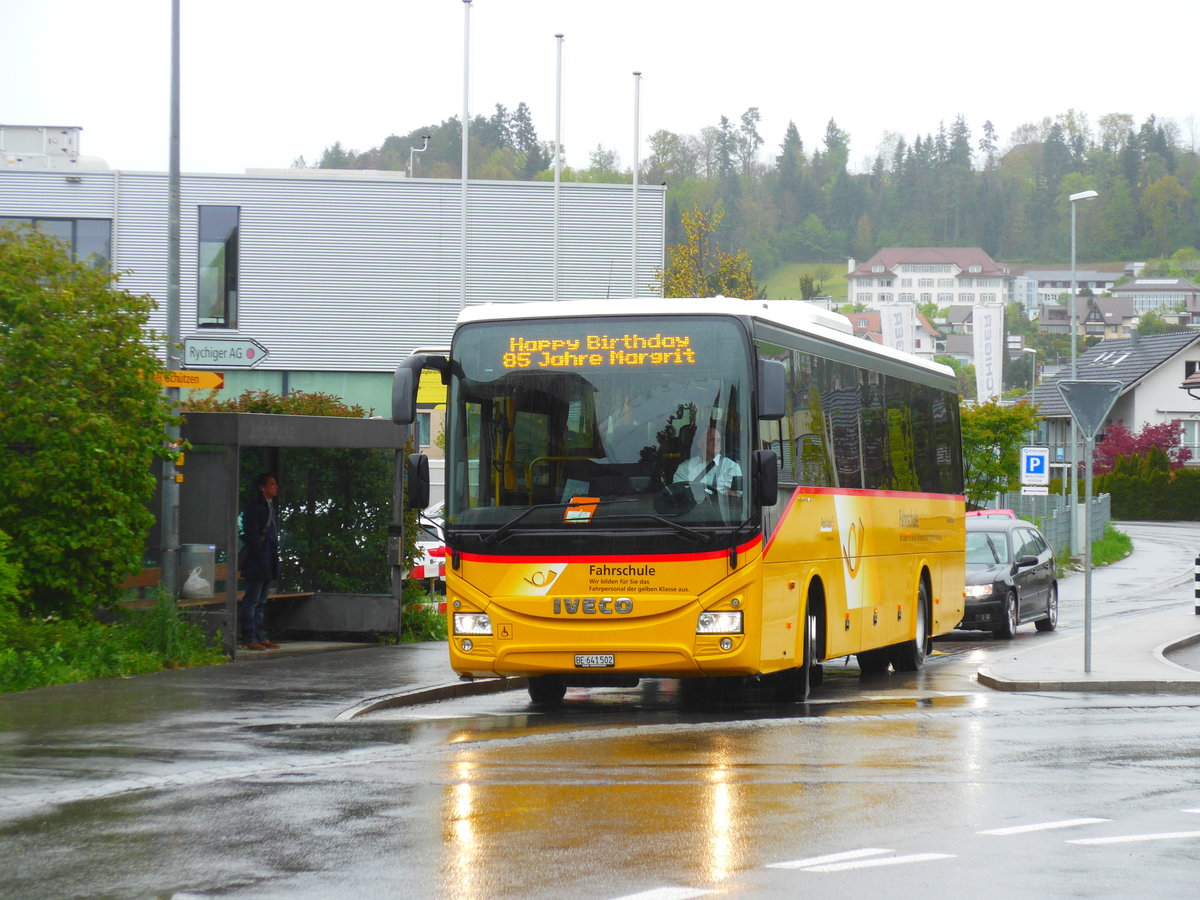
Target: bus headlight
[722,622]
[472,623]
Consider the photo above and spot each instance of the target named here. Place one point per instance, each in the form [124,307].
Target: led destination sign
[596,351]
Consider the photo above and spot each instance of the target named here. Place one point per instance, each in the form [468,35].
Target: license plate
[595,660]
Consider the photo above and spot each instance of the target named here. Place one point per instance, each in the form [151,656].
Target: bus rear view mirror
[772,389]
[766,477]
[418,480]
[404,396]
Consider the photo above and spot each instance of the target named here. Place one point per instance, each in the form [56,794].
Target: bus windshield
[599,424]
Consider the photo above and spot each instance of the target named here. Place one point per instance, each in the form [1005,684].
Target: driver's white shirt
[720,476]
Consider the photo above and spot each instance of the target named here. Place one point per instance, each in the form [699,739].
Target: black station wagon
[1010,577]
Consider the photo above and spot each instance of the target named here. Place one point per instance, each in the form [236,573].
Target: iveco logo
[593,606]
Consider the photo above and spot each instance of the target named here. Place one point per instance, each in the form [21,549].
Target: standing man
[712,473]
[260,536]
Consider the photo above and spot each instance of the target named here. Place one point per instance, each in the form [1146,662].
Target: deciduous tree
[992,436]
[699,268]
[81,422]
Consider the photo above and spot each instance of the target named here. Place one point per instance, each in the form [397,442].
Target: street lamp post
[414,150]
[1032,384]
[1074,198]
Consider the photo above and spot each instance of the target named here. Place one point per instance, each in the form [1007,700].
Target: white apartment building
[945,276]
[1161,295]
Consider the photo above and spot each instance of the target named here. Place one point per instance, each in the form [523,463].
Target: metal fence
[1051,515]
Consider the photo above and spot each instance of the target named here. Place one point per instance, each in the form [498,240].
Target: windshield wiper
[698,536]
[504,530]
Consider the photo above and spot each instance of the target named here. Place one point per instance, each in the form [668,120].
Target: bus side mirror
[772,389]
[404,396]
[418,480]
[766,477]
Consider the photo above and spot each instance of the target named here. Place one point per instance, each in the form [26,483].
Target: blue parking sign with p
[1035,466]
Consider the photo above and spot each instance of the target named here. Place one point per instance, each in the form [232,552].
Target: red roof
[963,257]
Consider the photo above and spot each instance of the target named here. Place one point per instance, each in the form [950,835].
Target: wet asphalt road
[226,784]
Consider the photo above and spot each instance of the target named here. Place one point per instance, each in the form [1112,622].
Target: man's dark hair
[262,479]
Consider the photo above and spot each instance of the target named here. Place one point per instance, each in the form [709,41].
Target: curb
[1111,686]
[451,691]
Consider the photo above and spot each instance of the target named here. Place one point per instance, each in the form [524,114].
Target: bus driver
[713,473]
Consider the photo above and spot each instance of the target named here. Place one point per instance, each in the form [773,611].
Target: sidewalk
[1129,657]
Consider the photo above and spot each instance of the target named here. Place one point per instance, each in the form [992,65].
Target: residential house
[941,275]
[958,319]
[1096,317]
[927,340]
[1150,370]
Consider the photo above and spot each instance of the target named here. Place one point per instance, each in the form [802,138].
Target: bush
[39,653]
[420,621]
[82,421]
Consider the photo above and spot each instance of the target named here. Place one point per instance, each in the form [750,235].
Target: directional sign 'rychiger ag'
[223,352]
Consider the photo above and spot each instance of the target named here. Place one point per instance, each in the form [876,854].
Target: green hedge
[1146,488]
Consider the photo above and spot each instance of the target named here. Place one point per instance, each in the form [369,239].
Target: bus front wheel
[547,690]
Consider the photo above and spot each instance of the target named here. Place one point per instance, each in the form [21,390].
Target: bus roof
[792,314]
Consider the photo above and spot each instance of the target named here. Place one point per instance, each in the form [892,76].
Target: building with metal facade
[340,274]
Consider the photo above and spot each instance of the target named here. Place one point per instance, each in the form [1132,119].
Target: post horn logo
[853,555]
[542,579]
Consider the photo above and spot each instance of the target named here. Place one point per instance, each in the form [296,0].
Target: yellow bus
[695,489]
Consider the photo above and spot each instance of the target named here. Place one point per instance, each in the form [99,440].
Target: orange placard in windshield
[580,510]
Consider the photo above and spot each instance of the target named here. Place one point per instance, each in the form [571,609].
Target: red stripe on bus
[614,558]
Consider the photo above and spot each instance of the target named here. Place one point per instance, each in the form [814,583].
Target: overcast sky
[265,81]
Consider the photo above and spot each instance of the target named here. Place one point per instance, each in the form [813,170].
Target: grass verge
[44,652]
[1115,545]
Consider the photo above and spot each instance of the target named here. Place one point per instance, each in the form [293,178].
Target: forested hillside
[803,202]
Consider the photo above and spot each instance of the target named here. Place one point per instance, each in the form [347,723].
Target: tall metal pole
[557,157]
[169,517]
[1032,384]
[637,121]
[1071,493]
[1074,495]
[466,120]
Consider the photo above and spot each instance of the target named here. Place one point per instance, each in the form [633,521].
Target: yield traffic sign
[1090,402]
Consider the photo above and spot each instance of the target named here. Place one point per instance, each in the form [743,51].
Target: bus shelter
[342,493]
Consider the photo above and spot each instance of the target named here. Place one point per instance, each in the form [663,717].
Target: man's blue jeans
[254,606]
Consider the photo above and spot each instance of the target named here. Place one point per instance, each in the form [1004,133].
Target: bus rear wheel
[910,655]
[546,690]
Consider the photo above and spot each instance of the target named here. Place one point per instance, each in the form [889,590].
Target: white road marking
[875,863]
[667,893]
[1134,838]
[1042,826]
[829,858]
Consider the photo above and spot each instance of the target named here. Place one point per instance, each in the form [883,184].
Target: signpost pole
[1087,559]
[1089,402]
[169,514]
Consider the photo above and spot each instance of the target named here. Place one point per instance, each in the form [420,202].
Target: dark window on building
[89,240]
[217,278]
